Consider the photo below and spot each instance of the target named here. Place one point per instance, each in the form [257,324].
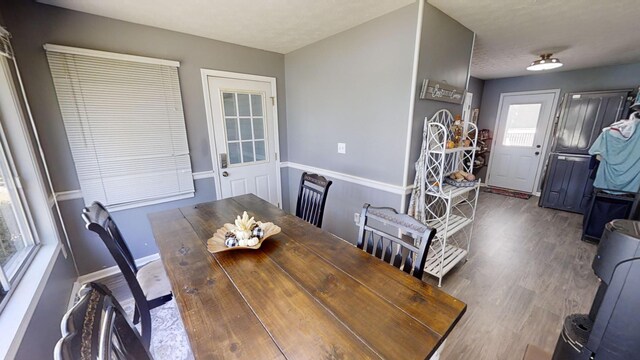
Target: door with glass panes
[245,141]
[522,129]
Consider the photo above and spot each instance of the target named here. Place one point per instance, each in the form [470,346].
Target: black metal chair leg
[136,316]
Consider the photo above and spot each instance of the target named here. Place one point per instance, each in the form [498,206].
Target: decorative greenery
[7,245]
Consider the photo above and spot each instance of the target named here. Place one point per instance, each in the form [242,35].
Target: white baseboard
[374,184]
[101,274]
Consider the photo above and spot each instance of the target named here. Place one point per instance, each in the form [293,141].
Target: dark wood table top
[304,294]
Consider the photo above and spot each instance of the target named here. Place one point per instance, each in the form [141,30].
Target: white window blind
[125,125]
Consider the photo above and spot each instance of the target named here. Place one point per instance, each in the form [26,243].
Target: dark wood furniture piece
[96,327]
[399,252]
[312,196]
[581,118]
[304,294]
[149,284]
[605,207]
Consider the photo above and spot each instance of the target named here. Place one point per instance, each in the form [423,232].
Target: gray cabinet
[583,116]
[568,186]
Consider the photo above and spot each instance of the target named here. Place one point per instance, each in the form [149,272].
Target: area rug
[168,339]
[506,192]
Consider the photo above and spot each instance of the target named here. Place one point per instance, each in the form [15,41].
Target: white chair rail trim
[77,194]
[394,189]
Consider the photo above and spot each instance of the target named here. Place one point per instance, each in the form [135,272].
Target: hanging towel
[624,128]
[620,164]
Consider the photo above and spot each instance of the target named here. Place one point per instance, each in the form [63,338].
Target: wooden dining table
[304,294]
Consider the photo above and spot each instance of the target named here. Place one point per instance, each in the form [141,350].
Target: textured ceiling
[275,25]
[581,33]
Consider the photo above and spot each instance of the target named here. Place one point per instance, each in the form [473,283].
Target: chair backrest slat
[387,252]
[96,327]
[312,197]
[410,257]
[98,220]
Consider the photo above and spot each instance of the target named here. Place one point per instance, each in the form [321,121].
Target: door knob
[225,174]
[538,146]
[537,153]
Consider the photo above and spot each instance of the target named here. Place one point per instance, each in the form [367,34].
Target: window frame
[11,275]
[26,158]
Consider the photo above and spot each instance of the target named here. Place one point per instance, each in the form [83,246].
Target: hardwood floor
[527,270]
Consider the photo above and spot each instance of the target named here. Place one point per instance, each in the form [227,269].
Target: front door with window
[521,133]
[245,141]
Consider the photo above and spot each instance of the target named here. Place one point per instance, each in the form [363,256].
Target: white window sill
[20,307]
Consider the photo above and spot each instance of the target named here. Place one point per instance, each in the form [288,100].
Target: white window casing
[125,125]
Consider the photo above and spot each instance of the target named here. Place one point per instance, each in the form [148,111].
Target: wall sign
[440,91]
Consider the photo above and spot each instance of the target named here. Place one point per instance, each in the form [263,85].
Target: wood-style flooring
[526,271]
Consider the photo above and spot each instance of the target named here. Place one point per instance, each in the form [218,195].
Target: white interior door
[244,131]
[519,139]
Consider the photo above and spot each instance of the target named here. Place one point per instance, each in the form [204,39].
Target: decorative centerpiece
[246,233]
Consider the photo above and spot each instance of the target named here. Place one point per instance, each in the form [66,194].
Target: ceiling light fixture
[546,62]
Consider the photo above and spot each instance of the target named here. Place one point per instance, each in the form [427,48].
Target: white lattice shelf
[452,256]
[453,191]
[456,223]
[452,150]
[441,201]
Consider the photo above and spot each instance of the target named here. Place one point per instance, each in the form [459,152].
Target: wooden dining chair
[97,328]
[312,196]
[407,252]
[149,284]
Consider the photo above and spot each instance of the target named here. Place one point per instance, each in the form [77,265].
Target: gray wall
[592,79]
[353,87]
[33,25]
[445,51]
[344,199]
[476,86]
[598,78]
[43,330]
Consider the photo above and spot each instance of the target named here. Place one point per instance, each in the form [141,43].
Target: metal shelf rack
[447,208]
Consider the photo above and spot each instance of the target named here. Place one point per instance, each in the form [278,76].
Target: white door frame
[206,73]
[547,135]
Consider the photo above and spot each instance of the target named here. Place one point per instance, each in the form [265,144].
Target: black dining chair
[407,252]
[97,328]
[149,284]
[312,197]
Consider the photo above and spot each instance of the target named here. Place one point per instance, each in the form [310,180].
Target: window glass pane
[11,238]
[229,104]
[234,153]
[260,151]
[247,151]
[232,129]
[258,128]
[256,104]
[243,105]
[522,121]
[245,128]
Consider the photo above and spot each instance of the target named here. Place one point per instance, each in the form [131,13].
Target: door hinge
[276,156]
[273,100]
